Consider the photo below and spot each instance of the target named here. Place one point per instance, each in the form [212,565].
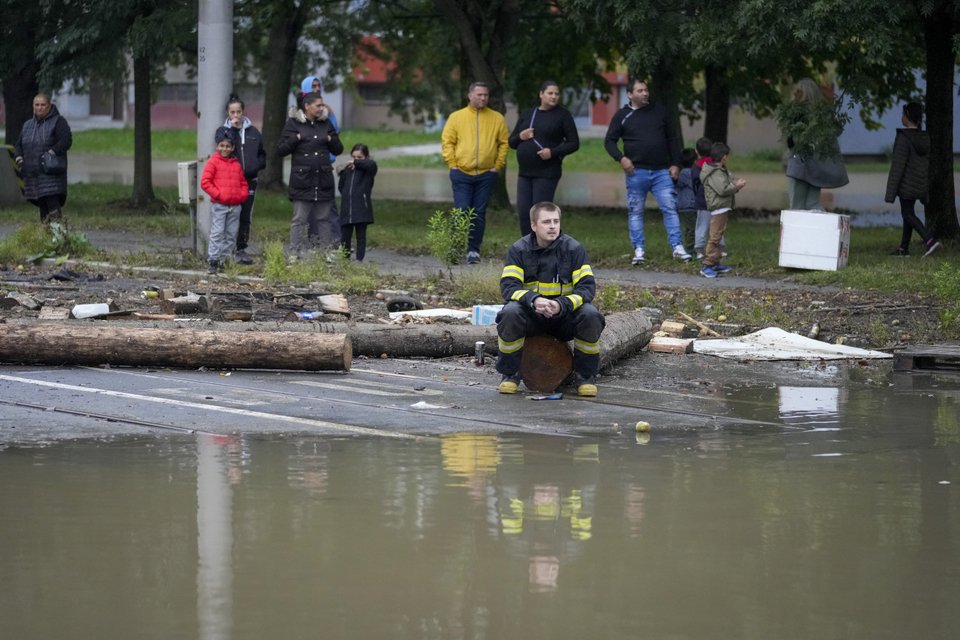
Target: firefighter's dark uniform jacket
[560,272]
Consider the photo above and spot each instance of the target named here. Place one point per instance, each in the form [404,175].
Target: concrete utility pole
[214,82]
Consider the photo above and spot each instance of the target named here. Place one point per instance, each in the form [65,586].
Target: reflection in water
[696,535]
[214,538]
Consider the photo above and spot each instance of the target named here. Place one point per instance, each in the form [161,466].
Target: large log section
[95,344]
[99,342]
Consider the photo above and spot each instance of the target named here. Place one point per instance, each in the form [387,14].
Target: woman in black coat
[908,178]
[356,207]
[309,144]
[543,137]
[45,134]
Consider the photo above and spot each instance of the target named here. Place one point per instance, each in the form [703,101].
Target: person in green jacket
[719,189]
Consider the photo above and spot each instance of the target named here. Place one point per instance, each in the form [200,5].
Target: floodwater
[864,194]
[835,515]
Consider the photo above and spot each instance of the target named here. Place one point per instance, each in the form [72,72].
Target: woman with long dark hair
[543,137]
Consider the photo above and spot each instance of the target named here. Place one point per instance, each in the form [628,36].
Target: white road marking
[322,424]
[364,386]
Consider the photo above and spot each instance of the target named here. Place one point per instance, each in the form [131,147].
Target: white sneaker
[680,253]
[638,256]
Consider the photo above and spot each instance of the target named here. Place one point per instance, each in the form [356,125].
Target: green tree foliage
[92,39]
[282,41]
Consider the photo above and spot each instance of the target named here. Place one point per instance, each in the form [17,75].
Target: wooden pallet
[940,357]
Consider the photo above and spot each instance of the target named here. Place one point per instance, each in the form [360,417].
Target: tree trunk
[626,333]
[716,104]
[415,340]
[20,85]
[664,91]
[283,39]
[142,158]
[96,344]
[940,207]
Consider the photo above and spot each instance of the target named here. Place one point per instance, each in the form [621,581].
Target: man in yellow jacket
[474,144]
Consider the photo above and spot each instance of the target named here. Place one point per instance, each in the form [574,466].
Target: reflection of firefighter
[472,458]
[547,505]
[547,519]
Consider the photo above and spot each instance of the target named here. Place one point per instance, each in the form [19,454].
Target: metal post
[214,82]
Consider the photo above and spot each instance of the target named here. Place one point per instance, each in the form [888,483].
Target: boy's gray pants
[224,222]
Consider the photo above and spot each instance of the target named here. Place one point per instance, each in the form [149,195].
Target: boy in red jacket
[224,182]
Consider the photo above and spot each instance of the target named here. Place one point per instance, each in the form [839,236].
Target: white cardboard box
[814,240]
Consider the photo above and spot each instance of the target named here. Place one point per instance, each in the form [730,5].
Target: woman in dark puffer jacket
[908,178]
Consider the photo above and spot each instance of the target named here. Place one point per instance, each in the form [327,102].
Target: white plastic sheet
[773,343]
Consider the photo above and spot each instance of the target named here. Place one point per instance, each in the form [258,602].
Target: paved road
[377,398]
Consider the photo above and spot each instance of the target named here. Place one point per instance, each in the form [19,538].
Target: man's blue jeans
[473,192]
[642,182]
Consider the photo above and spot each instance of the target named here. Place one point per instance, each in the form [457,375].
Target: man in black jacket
[651,162]
[312,190]
[547,286]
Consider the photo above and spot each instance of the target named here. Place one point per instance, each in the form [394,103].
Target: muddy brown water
[835,515]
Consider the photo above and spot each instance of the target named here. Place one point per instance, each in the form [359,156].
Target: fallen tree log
[626,333]
[96,344]
[415,340]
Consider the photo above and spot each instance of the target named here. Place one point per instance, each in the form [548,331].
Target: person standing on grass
[224,182]
[543,137]
[310,143]
[719,188]
[46,135]
[687,190]
[548,286]
[812,126]
[651,163]
[356,206]
[313,84]
[253,159]
[909,178]
[474,143]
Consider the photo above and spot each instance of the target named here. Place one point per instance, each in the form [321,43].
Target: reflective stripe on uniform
[519,293]
[581,273]
[513,346]
[550,289]
[583,346]
[577,300]
[512,271]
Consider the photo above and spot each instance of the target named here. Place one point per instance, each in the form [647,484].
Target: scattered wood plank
[334,303]
[186,305]
[666,344]
[55,313]
[234,315]
[706,330]
[673,328]
[96,344]
[941,357]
